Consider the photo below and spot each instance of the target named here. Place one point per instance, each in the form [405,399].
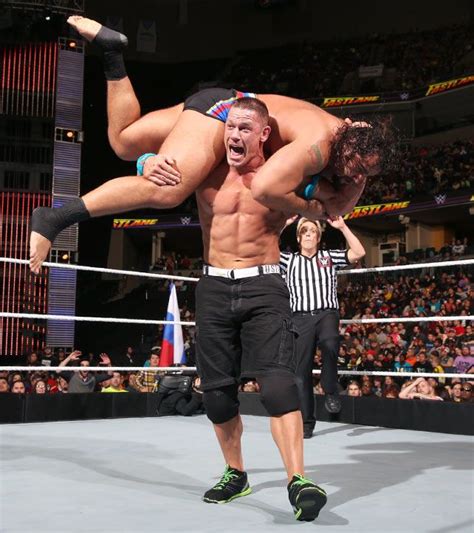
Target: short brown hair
[254,104]
[303,220]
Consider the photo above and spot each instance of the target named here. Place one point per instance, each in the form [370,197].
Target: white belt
[239,273]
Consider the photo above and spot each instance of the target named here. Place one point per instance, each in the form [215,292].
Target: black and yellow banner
[399,96]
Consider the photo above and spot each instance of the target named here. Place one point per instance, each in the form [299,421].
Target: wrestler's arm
[341,200]
[275,183]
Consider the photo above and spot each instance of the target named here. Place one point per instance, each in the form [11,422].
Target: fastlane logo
[121,223]
[443,86]
[349,100]
[377,209]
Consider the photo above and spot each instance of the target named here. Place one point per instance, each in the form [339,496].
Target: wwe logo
[185,220]
[404,96]
[440,199]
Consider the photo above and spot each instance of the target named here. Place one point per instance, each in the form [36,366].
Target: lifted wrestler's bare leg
[185,144]
[130,135]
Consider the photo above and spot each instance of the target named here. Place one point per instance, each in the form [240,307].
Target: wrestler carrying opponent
[243,313]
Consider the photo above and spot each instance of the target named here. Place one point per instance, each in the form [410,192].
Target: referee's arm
[355,250]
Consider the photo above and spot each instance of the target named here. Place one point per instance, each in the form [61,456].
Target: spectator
[250,386]
[179,395]
[456,393]
[422,364]
[18,387]
[83,381]
[4,386]
[129,358]
[419,389]
[48,358]
[115,383]
[40,387]
[146,380]
[466,392]
[32,359]
[353,389]
[465,361]
[391,392]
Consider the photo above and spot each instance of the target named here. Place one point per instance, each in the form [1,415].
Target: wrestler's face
[245,133]
[358,168]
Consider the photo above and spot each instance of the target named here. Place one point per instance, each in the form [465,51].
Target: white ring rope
[162,322]
[182,370]
[99,269]
[438,318]
[166,276]
[94,319]
[437,264]
[393,320]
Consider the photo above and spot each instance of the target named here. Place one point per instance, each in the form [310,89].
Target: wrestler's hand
[161,170]
[315,210]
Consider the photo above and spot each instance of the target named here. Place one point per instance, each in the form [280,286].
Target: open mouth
[236,151]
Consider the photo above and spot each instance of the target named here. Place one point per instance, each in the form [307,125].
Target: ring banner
[158,223]
[398,96]
[423,203]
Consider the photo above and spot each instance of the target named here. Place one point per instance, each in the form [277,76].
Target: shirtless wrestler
[243,313]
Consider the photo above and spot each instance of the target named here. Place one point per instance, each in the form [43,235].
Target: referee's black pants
[316,328]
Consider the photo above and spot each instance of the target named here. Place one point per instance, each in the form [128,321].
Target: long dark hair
[378,138]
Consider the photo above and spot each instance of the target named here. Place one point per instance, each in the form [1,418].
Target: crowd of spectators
[444,346]
[425,170]
[422,170]
[330,68]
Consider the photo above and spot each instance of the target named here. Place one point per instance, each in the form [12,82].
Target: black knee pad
[221,404]
[279,394]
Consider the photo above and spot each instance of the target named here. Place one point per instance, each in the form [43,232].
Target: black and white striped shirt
[312,281]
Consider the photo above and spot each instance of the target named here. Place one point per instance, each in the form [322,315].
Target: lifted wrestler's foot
[91,30]
[47,223]
[39,250]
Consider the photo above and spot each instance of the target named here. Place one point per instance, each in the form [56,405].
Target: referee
[311,278]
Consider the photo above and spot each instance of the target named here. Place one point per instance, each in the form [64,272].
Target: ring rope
[184,278]
[160,322]
[436,264]
[94,319]
[99,269]
[180,370]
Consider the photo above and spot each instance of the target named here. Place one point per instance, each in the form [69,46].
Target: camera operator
[179,395]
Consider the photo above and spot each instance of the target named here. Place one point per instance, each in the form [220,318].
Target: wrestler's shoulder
[299,117]
[277,103]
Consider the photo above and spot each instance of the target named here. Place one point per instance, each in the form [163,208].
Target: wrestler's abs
[238,232]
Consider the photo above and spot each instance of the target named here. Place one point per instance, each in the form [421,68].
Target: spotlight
[69,134]
[72,44]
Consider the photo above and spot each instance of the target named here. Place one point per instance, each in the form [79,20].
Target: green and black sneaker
[306,498]
[233,484]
